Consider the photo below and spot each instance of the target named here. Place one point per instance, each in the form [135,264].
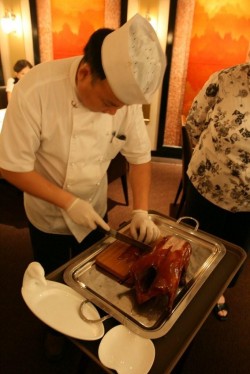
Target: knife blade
[126,239]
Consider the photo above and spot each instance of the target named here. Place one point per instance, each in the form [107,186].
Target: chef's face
[95,94]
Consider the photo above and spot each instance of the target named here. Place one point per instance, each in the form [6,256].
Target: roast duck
[159,272]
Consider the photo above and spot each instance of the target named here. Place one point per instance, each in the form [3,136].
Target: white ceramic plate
[58,305]
[127,353]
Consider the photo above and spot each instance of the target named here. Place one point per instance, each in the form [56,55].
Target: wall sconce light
[152,20]
[8,22]
[151,9]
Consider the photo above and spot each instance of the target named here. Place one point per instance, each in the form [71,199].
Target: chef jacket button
[98,183]
[90,199]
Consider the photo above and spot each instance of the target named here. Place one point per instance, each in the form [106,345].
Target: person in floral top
[218,195]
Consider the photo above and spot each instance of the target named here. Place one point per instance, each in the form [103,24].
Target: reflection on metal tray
[149,320]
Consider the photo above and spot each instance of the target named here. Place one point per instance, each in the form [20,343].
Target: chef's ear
[83,71]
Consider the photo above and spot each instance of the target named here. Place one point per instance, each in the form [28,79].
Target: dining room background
[199,37]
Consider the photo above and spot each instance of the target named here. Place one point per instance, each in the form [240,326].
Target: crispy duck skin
[161,271]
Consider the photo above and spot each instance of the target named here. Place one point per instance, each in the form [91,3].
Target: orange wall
[220,38]
[72,24]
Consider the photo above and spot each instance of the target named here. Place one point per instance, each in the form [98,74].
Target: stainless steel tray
[149,320]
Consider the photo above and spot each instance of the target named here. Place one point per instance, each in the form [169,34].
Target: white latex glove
[82,213]
[142,228]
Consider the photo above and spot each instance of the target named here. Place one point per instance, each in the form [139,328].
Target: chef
[66,121]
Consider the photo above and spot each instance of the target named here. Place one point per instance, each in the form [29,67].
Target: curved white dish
[58,305]
[127,353]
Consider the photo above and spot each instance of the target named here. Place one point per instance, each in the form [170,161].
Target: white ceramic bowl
[127,353]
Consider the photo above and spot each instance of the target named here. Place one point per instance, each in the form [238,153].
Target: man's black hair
[92,52]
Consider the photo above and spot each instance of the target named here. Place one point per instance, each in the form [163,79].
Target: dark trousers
[53,250]
[232,227]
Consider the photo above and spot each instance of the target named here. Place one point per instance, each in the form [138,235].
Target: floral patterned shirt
[219,122]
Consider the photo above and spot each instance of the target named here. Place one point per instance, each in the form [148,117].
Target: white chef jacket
[48,130]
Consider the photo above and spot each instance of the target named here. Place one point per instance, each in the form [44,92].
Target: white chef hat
[133,61]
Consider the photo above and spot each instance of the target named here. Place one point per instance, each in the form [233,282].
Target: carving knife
[126,239]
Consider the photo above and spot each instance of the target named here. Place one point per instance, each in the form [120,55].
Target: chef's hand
[142,228]
[82,213]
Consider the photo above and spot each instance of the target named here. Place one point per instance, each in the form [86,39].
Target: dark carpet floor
[219,347]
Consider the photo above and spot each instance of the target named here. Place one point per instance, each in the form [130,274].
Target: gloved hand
[142,228]
[82,213]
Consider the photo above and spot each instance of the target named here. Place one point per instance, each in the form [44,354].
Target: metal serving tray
[151,319]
